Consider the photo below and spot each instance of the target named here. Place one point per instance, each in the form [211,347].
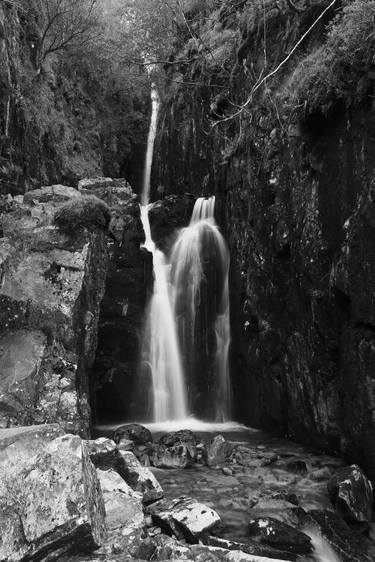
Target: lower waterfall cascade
[199,258]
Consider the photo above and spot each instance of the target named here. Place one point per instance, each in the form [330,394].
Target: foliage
[87,211]
[343,67]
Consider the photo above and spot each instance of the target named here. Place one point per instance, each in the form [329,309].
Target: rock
[104,454]
[182,437]
[109,189]
[51,502]
[295,465]
[57,193]
[184,517]
[51,288]
[140,478]
[352,546]
[352,495]
[177,456]
[279,509]
[123,506]
[218,451]
[137,433]
[177,449]
[279,535]
[248,548]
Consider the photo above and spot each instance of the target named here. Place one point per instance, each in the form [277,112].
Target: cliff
[290,157]
[65,118]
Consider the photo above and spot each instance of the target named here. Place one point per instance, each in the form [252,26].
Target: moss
[342,69]
[85,212]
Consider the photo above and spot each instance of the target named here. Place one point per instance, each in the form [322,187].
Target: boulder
[184,517]
[352,495]
[218,451]
[279,535]
[181,437]
[51,502]
[135,432]
[123,506]
[177,456]
[140,478]
[177,449]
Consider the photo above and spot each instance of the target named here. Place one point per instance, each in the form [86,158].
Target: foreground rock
[105,454]
[140,478]
[352,495]
[123,506]
[280,535]
[50,497]
[184,518]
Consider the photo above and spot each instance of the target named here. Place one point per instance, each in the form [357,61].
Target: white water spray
[160,346]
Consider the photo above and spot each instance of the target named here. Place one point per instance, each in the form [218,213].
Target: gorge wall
[65,116]
[294,172]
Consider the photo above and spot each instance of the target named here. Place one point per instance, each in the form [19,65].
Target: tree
[65,24]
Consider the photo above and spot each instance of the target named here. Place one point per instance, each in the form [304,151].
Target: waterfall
[188,311]
[160,350]
[200,264]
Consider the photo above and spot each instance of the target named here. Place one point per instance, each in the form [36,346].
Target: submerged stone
[218,451]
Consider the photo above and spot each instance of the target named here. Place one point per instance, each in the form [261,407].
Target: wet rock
[51,502]
[248,548]
[279,535]
[296,465]
[278,509]
[351,546]
[135,432]
[184,517]
[176,456]
[123,506]
[177,449]
[352,495]
[218,451]
[184,437]
[140,478]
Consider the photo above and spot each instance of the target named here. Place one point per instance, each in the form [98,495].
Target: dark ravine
[296,189]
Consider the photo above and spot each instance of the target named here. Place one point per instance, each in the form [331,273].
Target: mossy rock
[85,212]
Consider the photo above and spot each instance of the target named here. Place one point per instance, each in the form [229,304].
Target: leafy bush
[83,212]
[343,68]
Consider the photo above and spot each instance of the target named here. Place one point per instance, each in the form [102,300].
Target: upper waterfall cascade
[189,304]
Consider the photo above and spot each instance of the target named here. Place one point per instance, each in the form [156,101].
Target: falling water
[200,264]
[323,552]
[160,346]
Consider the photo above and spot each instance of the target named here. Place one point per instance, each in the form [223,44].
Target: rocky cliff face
[52,282]
[294,176]
[59,123]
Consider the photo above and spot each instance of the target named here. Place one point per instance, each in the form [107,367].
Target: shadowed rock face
[52,284]
[297,207]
